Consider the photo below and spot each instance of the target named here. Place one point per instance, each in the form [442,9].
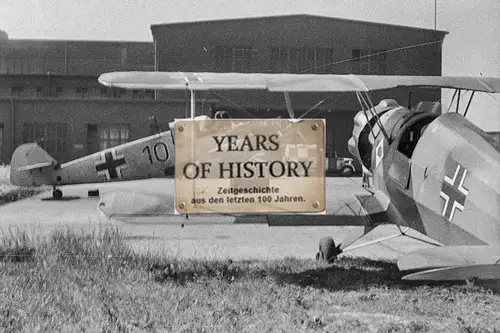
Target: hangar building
[49,90]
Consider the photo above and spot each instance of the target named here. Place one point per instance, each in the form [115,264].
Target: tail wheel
[327,250]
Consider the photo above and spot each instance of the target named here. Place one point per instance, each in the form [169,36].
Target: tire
[57,194]
[327,250]
[346,171]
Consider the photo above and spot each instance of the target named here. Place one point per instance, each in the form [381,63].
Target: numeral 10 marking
[160,152]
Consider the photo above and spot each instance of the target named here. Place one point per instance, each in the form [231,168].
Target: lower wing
[452,263]
[457,273]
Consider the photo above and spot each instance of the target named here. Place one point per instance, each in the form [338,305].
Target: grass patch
[10,193]
[91,281]
[4,174]
[18,194]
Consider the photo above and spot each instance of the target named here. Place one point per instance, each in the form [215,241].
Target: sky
[472,46]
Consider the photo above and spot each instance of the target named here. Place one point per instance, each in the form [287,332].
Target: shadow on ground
[361,273]
[347,274]
[65,198]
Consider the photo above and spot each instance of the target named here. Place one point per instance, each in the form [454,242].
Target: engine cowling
[360,144]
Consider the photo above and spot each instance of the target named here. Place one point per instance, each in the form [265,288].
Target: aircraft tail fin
[26,159]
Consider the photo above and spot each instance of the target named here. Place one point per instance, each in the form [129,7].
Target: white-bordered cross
[454,192]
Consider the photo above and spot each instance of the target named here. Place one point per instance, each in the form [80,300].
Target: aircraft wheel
[57,194]
[346,171]
[327,250]
[470,282]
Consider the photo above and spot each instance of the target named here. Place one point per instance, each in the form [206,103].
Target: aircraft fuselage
[441,176]
[149,157]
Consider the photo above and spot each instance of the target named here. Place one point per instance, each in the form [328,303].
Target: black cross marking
[110,165]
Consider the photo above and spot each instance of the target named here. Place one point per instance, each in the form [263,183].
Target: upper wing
[291,82]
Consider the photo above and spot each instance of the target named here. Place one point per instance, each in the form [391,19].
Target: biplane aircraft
[436,173]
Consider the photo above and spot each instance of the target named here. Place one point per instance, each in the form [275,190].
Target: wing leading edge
[291,82]
[452,263]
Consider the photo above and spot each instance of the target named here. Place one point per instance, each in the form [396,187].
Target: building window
[121,93]
[137,94]
[149,94]
[39,92]
[1,143]
[280,60]
[234,59]
[143,94]
[104,92]
[17,91]
[301,60]
[324,62]
[369,61]
[113,135]
[3,66]
[58,92]
[81,91]
[50,136]
[124,57]
[157,128]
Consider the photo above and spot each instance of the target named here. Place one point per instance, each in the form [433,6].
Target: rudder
[28,163]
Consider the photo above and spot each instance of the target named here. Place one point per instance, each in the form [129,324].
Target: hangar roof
[303,16]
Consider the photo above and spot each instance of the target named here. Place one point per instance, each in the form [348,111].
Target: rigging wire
[337,63]
[373,54]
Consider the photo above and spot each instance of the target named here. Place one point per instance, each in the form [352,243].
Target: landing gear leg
[328,252]
[56,193]
[470,282]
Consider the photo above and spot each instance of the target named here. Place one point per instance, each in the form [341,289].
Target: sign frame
[299,204]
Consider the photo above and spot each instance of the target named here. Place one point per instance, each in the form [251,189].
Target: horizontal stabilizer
[449,256]
[134,204]
[480,272]
[35,166]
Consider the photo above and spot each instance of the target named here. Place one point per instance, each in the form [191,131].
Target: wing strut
[468,104]
[452,99]
[375,241]
[402,233]
[193,104]
[458,100]
[367,105]
[379,122]
[288,102]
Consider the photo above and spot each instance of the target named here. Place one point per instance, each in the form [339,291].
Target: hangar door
[52,137]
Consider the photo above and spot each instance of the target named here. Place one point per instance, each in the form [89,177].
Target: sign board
[236,166]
